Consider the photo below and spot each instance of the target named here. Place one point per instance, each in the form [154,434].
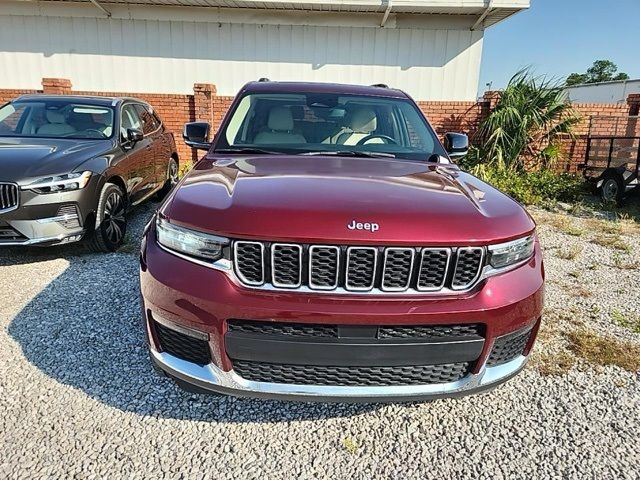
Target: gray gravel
[79,398]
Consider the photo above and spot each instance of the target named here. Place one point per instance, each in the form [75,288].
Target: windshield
[56,119]
[329,123]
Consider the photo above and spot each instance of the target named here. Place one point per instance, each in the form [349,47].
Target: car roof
[267,86]
[90,100]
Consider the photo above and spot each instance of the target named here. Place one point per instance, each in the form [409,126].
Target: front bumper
[205,300]
[48,219]
[213,379]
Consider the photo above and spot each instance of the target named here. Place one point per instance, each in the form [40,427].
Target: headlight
[509,253]
[60,183]
[190,242]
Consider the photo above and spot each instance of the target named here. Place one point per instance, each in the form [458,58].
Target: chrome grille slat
[468,267]
[361,268]
[286,265]
[357,269]
[8,196]
[397,269]
[434,264]
[324,267]
[249,262]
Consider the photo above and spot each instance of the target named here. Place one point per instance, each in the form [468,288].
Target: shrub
[532,188]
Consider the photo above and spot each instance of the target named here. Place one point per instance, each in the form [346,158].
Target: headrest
[54,116]
[363,120]
[280,119]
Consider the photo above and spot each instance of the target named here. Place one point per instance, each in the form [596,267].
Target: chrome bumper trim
[210,377]
[66,238]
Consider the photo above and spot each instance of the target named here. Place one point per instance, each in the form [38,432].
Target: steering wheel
[377,135]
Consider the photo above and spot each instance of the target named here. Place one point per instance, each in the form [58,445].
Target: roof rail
[264,79]
[380,85]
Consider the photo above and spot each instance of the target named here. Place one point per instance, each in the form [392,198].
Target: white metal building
[430,48]
[604,92]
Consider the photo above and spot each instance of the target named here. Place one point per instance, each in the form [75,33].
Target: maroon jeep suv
[327,248]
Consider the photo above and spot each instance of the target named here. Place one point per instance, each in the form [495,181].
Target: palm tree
[524,129]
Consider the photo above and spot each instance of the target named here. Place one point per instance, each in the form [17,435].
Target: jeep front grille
[8,196]
[355,268]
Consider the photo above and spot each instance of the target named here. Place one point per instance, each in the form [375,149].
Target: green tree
[600,71]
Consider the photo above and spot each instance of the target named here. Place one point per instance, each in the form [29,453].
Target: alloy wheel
[114,219]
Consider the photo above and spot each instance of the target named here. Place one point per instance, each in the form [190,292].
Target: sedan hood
[328,199]
[26,159]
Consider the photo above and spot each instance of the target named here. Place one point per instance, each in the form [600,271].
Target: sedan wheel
[111,221]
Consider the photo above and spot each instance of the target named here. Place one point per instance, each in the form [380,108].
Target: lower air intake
[350,376]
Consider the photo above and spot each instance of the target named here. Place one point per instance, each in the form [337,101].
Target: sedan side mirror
[456,144]
[196,135]
[134,135]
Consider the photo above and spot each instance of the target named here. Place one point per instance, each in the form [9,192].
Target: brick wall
[204,104]
[575,149]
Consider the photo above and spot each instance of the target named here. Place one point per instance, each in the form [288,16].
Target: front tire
[111,222]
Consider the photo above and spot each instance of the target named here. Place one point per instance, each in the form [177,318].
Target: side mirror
[134,135]
[196,135]
[456,144]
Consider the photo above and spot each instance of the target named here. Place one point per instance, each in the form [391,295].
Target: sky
[558,37]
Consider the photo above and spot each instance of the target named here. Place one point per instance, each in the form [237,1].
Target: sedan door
[138,169]
[161,153]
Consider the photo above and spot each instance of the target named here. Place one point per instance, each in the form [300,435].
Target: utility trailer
[612,158]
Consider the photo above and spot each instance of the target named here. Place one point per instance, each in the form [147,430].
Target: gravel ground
[79,398]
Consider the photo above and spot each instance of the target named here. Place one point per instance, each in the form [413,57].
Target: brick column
[491,97]
[203,94]
[633,100]
[56,86]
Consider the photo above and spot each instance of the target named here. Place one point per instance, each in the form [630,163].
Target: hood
[26,159]
[344,200]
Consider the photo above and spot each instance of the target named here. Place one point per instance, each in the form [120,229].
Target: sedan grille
[8,196]
[355,268]
[351,376]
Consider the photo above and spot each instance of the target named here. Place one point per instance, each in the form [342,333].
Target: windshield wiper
[246,150]
[352,153]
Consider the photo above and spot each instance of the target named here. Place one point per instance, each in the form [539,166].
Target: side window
[148,120]
[12,117]
[130,119]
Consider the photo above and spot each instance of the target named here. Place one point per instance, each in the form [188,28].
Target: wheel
[172,179]
[111,222]
[612,189]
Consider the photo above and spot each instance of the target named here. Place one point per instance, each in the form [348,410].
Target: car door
[152,129]
[138,169]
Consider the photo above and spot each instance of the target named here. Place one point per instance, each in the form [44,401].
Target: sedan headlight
[60,183]
[190,242]
[510,253]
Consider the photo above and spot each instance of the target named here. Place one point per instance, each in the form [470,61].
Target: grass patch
[623,263]
[577,291]
[554,364]
[349,445]
[600,350]
[569,253]
[611,241]
[630,321]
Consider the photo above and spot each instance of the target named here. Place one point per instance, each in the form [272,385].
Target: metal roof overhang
[487,12]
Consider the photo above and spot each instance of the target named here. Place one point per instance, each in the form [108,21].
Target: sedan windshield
[350,125]
[56,119]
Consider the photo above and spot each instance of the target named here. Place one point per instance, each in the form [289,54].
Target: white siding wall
[167,56]
[607,92]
